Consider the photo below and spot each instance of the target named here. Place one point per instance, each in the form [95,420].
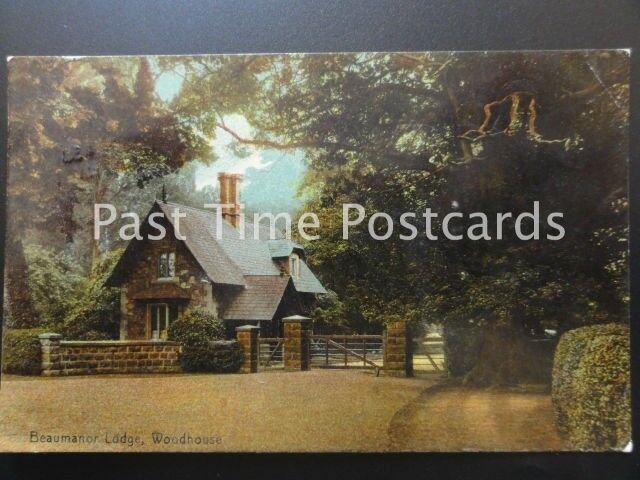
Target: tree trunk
[19,301]
[463,148]
[101,188]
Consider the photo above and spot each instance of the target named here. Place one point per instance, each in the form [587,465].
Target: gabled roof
[225,257]
[307,281]
[199,228]
[249,255]
[259,300]
[283,248]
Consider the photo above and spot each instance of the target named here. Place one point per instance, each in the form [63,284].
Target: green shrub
[591,387]
[462,343]
[95,314]
[55,282]
[197,328]
[203,349]
[21,352]
[565,362]
[329,313]
[66,299]
[217,356]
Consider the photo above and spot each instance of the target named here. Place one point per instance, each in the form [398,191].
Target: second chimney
[229,194]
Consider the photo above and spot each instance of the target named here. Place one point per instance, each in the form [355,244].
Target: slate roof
[199,228]
[247,262]
[283,248]
[259,300]
[307,281]
[229,257]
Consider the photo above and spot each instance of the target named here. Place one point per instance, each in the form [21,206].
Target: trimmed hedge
[591,390]
[21,351]
[217,356]
[203,348]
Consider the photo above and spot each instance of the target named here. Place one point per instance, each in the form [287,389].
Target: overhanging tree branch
[515,112]
[265,143]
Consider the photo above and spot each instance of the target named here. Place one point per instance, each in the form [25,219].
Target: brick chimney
[229,194]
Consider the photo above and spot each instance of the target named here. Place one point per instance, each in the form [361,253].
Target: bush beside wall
[203,348]
[21,353]
[197,328]
[591,387]
[218,356]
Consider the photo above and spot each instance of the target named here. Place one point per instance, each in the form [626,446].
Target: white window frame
[294,265]
[156,328]
[170,258]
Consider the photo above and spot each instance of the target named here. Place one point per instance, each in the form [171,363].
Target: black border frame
[127,27]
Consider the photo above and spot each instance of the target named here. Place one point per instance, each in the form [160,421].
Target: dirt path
[455,419]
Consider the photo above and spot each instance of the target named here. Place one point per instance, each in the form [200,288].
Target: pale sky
[167,87]
[227,161]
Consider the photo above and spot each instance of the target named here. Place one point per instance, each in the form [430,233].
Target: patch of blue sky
[271,177]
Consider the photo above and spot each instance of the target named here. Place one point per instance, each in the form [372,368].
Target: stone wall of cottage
[144,273]
[61,357]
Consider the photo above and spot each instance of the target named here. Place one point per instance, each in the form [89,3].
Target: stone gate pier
[398,354]
[247,336]
[297,343]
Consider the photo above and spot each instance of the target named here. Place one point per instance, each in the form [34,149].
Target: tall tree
[477,132]
[82,132]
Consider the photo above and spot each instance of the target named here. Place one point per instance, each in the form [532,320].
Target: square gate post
[398,355]
[247,336]
[297,343]
[50,348]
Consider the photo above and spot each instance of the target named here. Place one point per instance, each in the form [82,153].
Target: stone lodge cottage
[242,281]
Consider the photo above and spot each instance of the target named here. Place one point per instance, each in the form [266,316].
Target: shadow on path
[453,418]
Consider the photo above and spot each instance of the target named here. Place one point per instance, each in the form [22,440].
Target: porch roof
[259,300]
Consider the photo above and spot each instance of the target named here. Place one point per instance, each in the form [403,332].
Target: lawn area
[319,410]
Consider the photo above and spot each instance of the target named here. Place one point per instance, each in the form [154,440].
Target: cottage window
[167,267]
[161,315]
[294,265]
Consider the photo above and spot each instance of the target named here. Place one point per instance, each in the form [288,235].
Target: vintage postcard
[351,252]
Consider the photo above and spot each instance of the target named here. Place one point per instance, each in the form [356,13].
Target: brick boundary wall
[65,357]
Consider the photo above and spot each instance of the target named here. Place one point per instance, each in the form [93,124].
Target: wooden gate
[270,352]
[428,355]
[351,351]
[347,351]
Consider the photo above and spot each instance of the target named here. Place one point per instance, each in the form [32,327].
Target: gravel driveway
[319,410]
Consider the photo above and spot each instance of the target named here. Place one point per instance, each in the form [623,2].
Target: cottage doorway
[159,315]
